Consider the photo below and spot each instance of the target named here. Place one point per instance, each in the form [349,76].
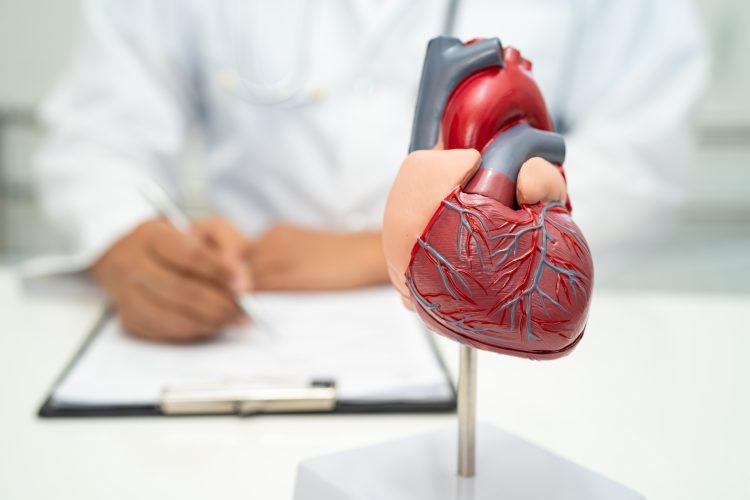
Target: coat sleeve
[118,118]
[637,71]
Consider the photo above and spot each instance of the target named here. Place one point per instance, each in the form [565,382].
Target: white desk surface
[657,396]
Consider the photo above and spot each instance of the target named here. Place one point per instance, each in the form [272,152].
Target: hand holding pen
[177,279]
[170,281]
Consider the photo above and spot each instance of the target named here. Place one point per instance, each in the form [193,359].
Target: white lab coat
[621,76]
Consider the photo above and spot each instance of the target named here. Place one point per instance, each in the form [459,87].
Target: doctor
[302,113]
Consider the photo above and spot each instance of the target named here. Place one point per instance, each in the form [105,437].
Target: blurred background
[711,251]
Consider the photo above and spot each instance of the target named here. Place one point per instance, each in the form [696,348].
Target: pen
[158,198]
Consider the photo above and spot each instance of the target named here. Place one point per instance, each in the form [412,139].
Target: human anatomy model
[477,230]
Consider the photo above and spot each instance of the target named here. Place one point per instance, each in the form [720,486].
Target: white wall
[728,23]
[35,41]
[721,185]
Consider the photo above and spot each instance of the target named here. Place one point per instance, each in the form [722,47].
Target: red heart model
[486,272]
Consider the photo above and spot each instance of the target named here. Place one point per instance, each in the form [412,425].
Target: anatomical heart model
[480,243]
[477,231]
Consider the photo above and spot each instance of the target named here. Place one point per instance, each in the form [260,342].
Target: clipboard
[316,396]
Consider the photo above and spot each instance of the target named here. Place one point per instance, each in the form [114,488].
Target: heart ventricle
[511,281]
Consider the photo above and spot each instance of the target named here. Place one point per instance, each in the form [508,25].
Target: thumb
[540,180]
[233,248]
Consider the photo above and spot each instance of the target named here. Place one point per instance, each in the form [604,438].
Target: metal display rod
[467,411]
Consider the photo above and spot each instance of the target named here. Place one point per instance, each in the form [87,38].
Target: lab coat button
[227,81]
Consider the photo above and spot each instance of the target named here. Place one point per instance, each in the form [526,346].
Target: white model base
[424,468]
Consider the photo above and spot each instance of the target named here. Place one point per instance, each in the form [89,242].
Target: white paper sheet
[365,340]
